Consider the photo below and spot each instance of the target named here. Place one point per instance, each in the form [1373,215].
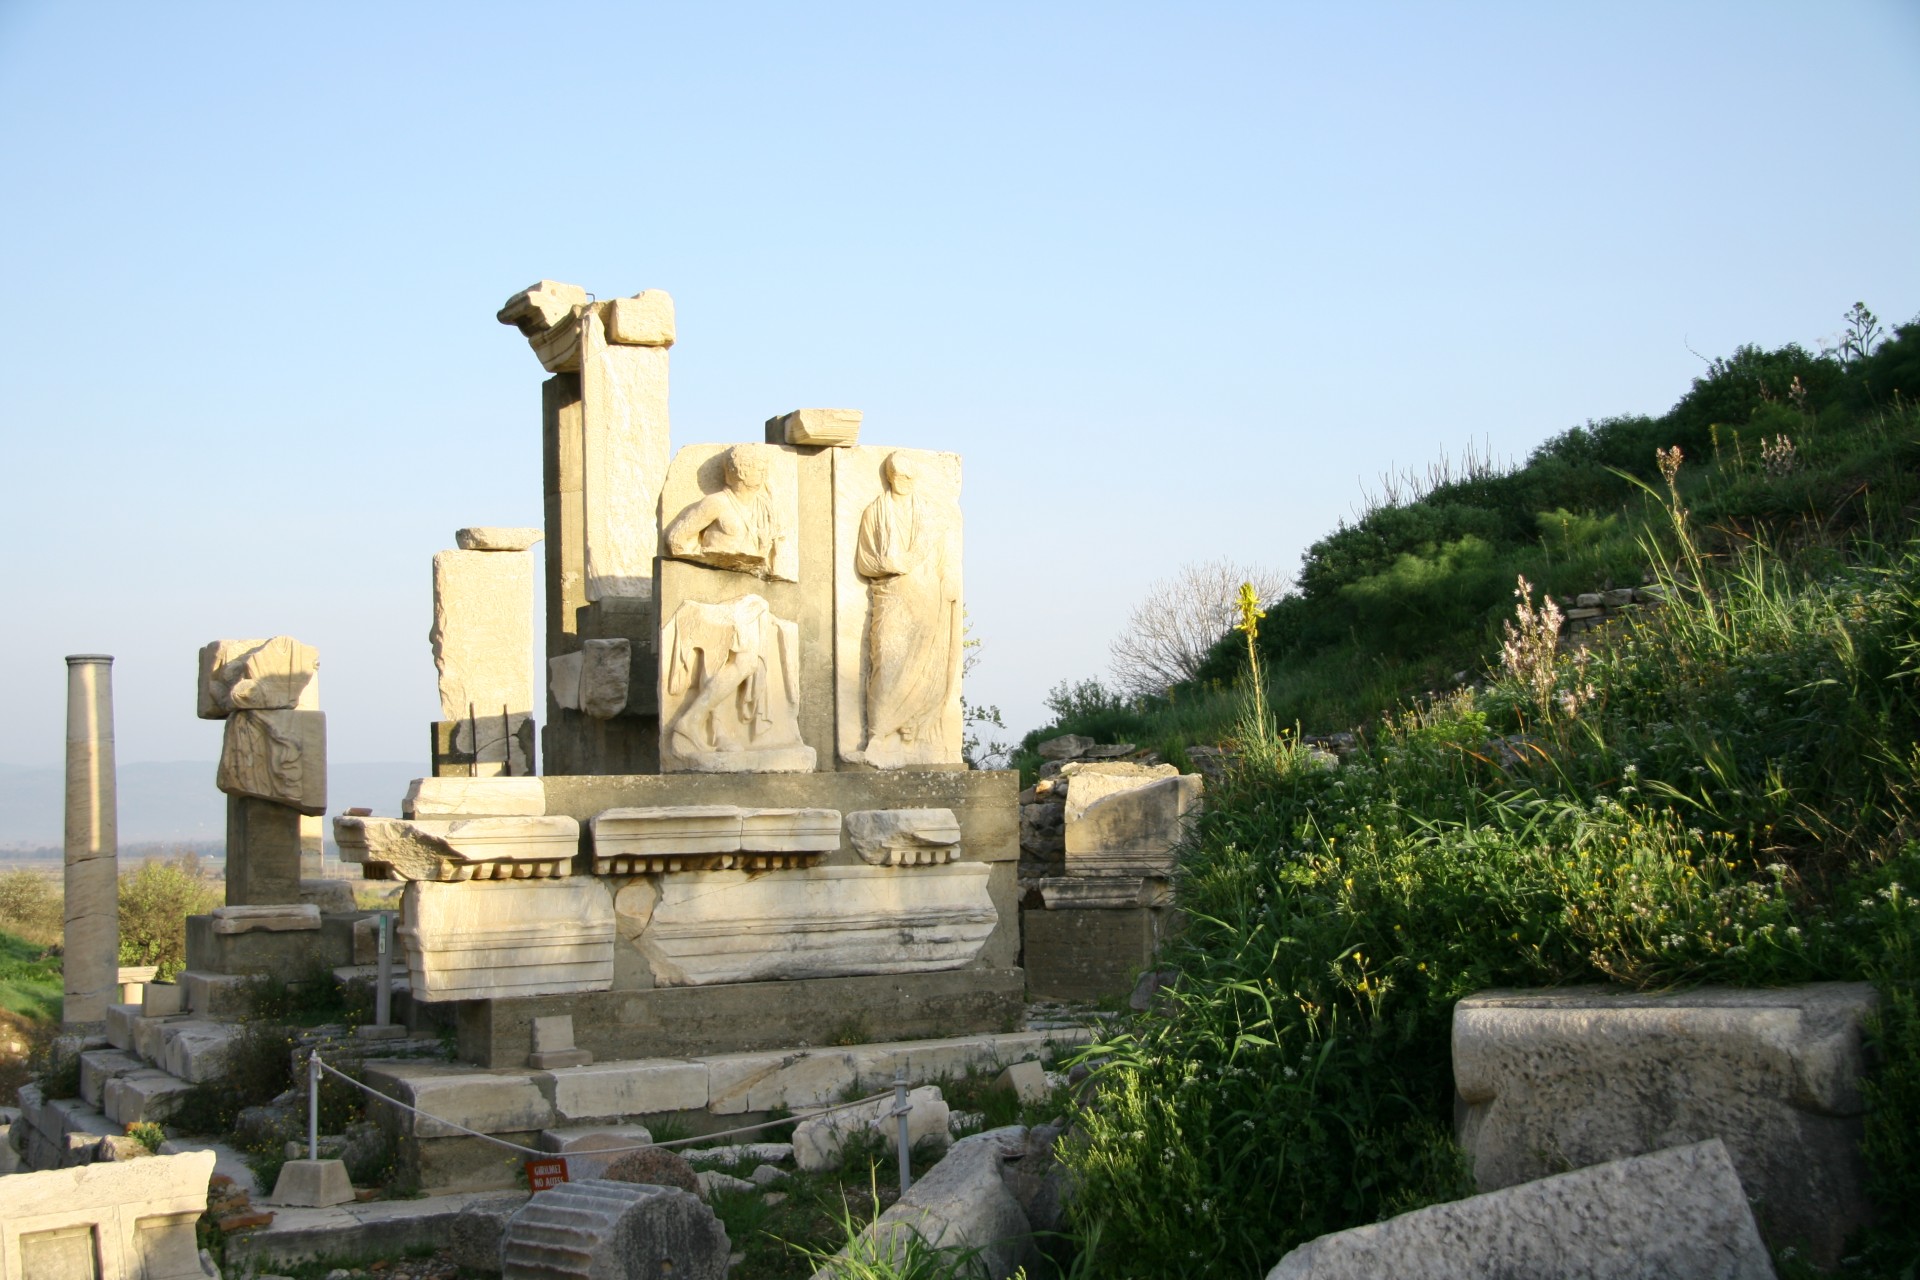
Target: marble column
[91,964]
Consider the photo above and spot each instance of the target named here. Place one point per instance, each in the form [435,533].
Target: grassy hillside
[1726,791]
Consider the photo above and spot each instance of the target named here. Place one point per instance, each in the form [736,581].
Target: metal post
[900,1109]
[313,1104]
[383,990]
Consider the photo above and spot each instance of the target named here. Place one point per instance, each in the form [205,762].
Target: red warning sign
[542,1174]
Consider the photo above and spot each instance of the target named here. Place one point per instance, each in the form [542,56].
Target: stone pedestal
[263,852]
[92,925]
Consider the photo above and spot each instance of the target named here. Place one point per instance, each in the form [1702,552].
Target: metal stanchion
[313,1104]
[900,1110]
[383,993]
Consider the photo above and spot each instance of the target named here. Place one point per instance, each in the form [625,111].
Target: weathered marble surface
[1582,1075]
[730,926]
[815,428]
[733,507]
[624,450]
[898,618]
[1132,832]
[132,1218]
[1678,1213]
[260,675]
[730,690]
[498,939]
[493,537]
[497,848]
[474,798]
[482,634]
[278,755]
[904,837]
[671,838]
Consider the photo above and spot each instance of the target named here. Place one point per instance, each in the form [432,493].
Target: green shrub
[30,906]
[155,900]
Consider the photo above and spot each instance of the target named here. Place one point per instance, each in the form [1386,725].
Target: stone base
[290,955]
[672,1021]
[1090,954]
[312,1184]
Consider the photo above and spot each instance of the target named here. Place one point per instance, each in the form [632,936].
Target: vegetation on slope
[1723,792]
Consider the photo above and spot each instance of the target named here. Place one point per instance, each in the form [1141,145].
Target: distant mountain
[164,802]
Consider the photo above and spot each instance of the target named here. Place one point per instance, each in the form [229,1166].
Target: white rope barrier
[313,1112]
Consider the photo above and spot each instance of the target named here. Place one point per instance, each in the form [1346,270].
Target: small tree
[155,900]
[1170,632]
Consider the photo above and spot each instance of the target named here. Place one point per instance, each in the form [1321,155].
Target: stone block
[623,457]
[734,926]
[816,428]
[904,837]
[1088,955]
[263,852]
[142,1095]
[312,1184]
[739,1082]
[614,1231]
[494,939]
[278,756]
[1576,1077]
[789,830]
[605,673]
[454,849]
[196,1051]
[1104,893]
[1132,832]
[266,918]
[962,1204]
[666,829]
[1679,1212]
[591,1149]
[474,798]
[120,1020]
[97,1066]
[1089,781]
[817,1141]
[1026,1081]
[482,634]
[542,305]
[610,1090]
[215,995]
[553,1044]
[136,1217]
[487,1101]
[1065,747]
[644,320]
[563,679]
[496,538]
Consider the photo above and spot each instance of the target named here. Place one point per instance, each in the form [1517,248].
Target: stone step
[97,1066]
[216,995]
[151,1094]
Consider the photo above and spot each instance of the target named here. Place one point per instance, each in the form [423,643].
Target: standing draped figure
[906,554]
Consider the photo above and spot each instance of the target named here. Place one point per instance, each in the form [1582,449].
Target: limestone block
[730,926]
[666,829]
[1104,893]
[590,1149]
[1680,1212]
[263,852]
[605,670]
[1065,747]
[194,1050]
[288,918]
[452,849]
[962,1204]
[601,1230]
[1132,832]
[111,1219]
[730,690]
[482,634]
[1026,1081]
[650,1086]
[1088,782]
[277,755]
[120,1020]
[563,679]
[161,1000]
[488,1101]
[817,1140]
[739,1082]
[502,938]
[789,830]
[97,1066]
[312,1184]
[262,675]
[733,507]
[739,1153]
[623,456]
[474,798]
[644,320]
[815,427]
[904,837]
[897,614]
[488,537]
[329,895]
[1576,1077]
[553,1044]
[547,312]
[142,1095]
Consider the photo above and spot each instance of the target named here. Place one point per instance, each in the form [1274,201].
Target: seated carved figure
[736,528]
[731,676]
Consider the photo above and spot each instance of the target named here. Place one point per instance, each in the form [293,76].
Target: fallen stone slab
[1568,1078]
[351,1233]
[962,1203]
[1678,1213]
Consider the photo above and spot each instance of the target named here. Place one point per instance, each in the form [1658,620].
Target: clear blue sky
[1177,280]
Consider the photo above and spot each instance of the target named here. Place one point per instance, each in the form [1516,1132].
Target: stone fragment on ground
[817,1140]
[614,1231]
[1680,1212]
[656,1166]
